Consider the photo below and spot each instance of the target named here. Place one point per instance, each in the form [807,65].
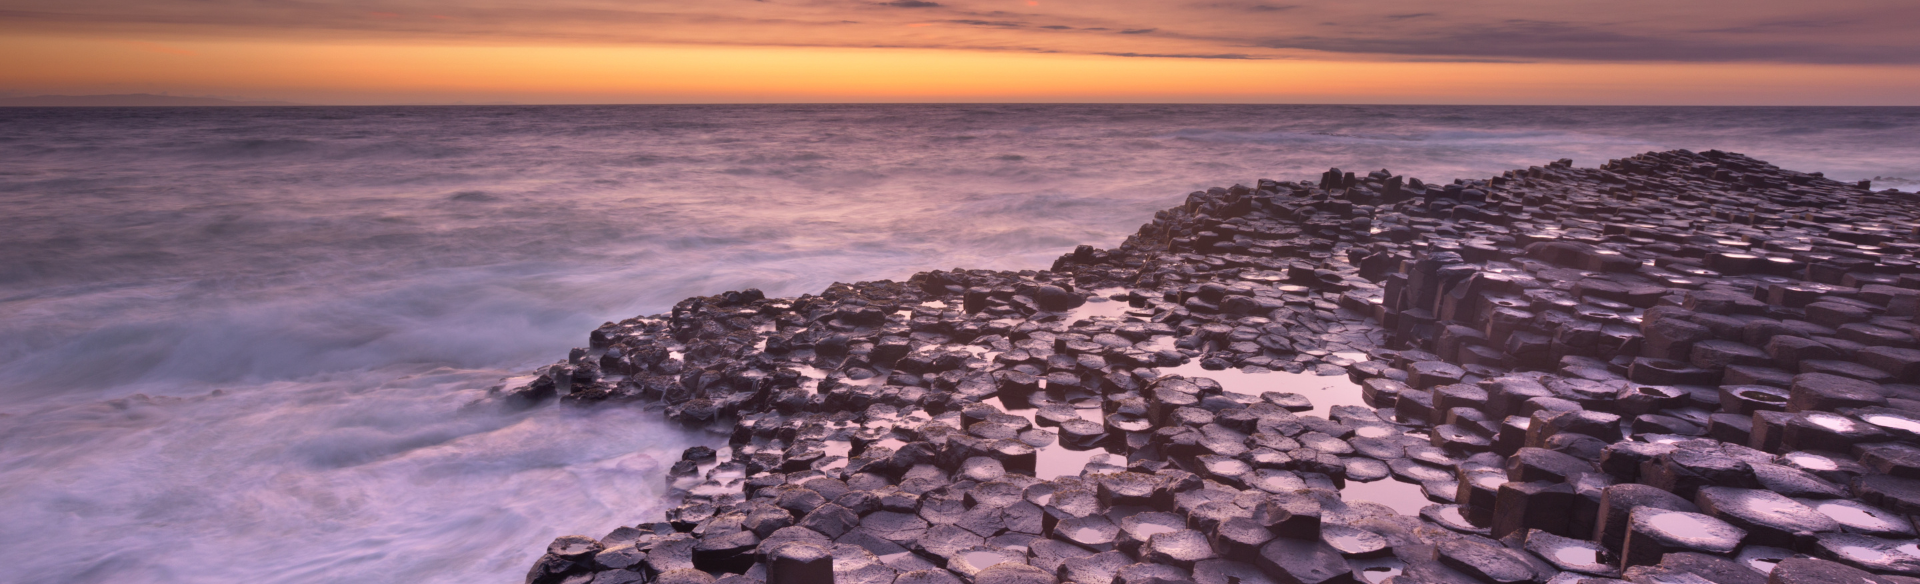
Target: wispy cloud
[1179,56]
[1846,31]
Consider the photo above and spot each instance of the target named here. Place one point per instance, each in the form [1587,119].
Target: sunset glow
[909,50]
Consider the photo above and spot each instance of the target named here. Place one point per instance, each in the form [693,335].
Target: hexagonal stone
[1769,518]
[1714,569]
[799,563]
[1571,554]
[1718,354]
[1830,432]
[1014,573]
[1429,374]
[1857,517]
[1483,560]
[1653,532]
[1826,392]
[684,576]
[1355,543]
[1152,574]
[1818,571]
[1177,548]
[1292,561]
[1900,363]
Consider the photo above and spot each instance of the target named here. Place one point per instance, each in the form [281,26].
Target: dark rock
[1543,506]
[915,577]
[1826,392]
[1292,561]
[1817,571]
[684,576]
[1483,560]
[1573,554]
[1653,532]
[731,552]
[1152,574]
[1713,569]
[1099,568]
[1355,543]
[1870,553]
[1857,517]
[1177,548]
[1014,573]
[1769,518]
[799,563]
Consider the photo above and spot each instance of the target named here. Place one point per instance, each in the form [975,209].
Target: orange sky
[1850,52]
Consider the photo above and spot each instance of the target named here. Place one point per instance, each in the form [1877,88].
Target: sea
[254,344]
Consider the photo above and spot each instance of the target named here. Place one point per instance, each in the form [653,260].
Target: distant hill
[127,100]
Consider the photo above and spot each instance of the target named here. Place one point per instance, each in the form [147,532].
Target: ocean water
[251,344]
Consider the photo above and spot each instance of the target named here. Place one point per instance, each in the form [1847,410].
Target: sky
[1652,52]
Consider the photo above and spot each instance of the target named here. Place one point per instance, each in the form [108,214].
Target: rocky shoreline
[1679,368]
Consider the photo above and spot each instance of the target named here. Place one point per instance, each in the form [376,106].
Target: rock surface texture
[1677,367]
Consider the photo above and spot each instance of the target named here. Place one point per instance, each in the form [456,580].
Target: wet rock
[574,548]
[799,563]
[552,569]
[619,577]
[1827,392]
[971,561]
[1871,553]
[1794,482]
[1056,299]
[1812,571]
[1180,548]
[1429,374]
[1573,554]
[1900,495]
[1857,517]
[1049,554]
[1769,518]
[1099,568]
[1093,532]
[1151,574]
[620,557]
[1292,561]
[1713,569]
[1457,518]
[1014,573]
[684,576]
[1484,560]
[1653,532]
[732,552]
[831,520]
[1355,543]
[1544,506]
[934,576]
[1824,431]
[1685,470]
[1539,464]
[1229,572]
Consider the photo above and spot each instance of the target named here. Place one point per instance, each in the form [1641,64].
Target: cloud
[1246,6]
[1176,56]
[1852,31]
[1001,24]
[1534,40]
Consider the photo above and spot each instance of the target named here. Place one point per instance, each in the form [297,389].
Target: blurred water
[349,278]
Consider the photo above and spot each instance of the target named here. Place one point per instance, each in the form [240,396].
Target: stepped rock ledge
[1679,367]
